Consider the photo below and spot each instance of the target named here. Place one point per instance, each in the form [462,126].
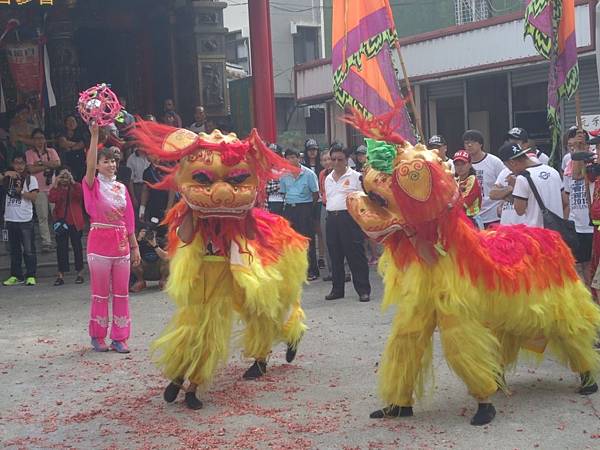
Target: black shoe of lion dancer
[256,370]
[392,411]
[172,390]
[484,415]
[192,401]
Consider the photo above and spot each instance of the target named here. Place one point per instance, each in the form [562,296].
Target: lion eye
[202,178]
[238,179]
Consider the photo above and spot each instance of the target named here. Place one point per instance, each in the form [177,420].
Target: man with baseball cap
[521,137]
[546,180]
[487,168]
[438,142]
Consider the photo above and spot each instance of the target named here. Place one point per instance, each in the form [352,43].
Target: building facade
[297,37]
[480,74]
[148,50]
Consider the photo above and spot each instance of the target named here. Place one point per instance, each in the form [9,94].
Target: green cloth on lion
[381,155]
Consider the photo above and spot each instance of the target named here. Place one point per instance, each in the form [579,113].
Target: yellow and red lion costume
[490,293]
[241,259]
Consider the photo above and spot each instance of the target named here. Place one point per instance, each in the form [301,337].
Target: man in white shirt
[345,239]
[487,168]
[579,212]
[137,162]
[546,180]
[199,125]
[21,191]
[502,190]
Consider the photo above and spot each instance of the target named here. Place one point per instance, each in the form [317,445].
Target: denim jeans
[22,246]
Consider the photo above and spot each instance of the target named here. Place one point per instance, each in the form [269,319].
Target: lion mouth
[382,235]
[234,213]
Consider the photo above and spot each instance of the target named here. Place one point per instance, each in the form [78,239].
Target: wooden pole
[411,98]
[578,110]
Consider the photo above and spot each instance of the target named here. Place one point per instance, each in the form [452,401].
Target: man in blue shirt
[300,194]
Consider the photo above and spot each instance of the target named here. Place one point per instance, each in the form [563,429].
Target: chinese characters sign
[591,122]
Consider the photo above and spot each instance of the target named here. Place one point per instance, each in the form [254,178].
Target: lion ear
[414,179]
[259,150]
[179,139]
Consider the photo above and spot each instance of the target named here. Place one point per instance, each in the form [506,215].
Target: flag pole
[411,98]
[578,110]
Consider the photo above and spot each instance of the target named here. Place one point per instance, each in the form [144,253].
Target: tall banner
[24,64]
[364,77]
[551,24]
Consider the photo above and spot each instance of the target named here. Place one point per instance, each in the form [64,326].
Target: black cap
[510,151]
[436,141]
[311,143]
[473,135]
[518,133]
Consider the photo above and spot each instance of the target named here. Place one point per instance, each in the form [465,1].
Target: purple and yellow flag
[363,73]
[551,24]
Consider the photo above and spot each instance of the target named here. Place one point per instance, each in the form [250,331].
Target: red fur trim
[269,234]
[377,127]
[507,258]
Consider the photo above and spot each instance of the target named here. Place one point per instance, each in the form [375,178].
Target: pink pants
[109,276]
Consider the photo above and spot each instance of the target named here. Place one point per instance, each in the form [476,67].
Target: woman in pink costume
[110,245]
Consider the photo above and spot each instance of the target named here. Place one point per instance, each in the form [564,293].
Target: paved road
[56,393]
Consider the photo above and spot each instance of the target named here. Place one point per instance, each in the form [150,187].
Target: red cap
[462,155]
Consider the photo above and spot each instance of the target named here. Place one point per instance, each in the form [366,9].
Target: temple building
[147,50]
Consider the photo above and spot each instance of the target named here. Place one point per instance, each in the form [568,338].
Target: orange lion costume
[490,293]
[227,256]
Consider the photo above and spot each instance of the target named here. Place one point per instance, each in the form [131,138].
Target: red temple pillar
[262,69]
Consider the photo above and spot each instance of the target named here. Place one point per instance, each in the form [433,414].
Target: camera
[592,169]
[48,175]
[151,228]
[12,186]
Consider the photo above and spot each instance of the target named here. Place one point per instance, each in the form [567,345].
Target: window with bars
[467,11]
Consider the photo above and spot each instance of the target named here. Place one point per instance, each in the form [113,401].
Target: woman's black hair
[306,162]
[291,152]
[106,152]
[472,172]
[38,131]
[73,116]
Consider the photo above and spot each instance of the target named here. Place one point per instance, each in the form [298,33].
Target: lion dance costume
[238,259]
[490,293]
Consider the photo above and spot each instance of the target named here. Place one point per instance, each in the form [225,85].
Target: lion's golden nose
[222,194]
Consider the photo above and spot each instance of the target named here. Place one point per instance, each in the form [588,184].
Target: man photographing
[155,259]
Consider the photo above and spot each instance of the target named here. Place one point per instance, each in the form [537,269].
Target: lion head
[216,174]
[406,189]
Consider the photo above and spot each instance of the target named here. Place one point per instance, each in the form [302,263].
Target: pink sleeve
[129,215]
[53,155]
[90,196]
[29,157]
